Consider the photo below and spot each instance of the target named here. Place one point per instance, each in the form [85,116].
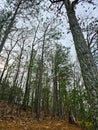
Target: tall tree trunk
[9,27]
[6,63]
[88,67]
[35,97]
[47,96]
[12,91]
[55,95]
[5,67]
[41,65]
[27,89]
[3,86]
[39,87]
[60,99]
[55,89]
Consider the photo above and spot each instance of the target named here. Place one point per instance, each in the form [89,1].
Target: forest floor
[10,121]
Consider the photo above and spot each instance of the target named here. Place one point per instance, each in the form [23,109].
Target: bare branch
[74,3]
[55,1]
[92,38]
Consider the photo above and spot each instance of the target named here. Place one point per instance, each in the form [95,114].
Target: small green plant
[83,124]
[86,125]
[91,127]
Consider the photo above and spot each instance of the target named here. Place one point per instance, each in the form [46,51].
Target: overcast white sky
[80,10]
[83,12]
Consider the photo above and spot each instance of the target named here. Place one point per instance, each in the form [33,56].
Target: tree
[78,94]
[40,74]
[89,27]
[4,20]
[61,72]
[88,67]
[46,93]
[12,94]
[9,26]
[8,56]
[49,33]
[29,73]
[17,8]
[92,39]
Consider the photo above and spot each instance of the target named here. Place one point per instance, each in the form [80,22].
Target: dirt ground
[9,120]
[29,124]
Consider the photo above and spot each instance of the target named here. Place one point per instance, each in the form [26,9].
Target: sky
[82,12]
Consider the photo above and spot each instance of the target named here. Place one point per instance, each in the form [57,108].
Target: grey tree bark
[27,88]
[12,91]
[9,27]
[88,67]
[40,74]
[55,90]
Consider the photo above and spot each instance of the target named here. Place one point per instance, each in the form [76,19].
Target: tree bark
[88,67]
[6,63]
[41,67]
[27,88]
[39,87]
[55,93]
[9,27]
[12,91]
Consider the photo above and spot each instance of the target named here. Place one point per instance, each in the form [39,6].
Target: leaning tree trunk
[9,27]
[14,85]
[5,67]
[88,67]
[6,63]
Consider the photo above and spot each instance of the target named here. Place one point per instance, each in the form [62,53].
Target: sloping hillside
[11,120]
